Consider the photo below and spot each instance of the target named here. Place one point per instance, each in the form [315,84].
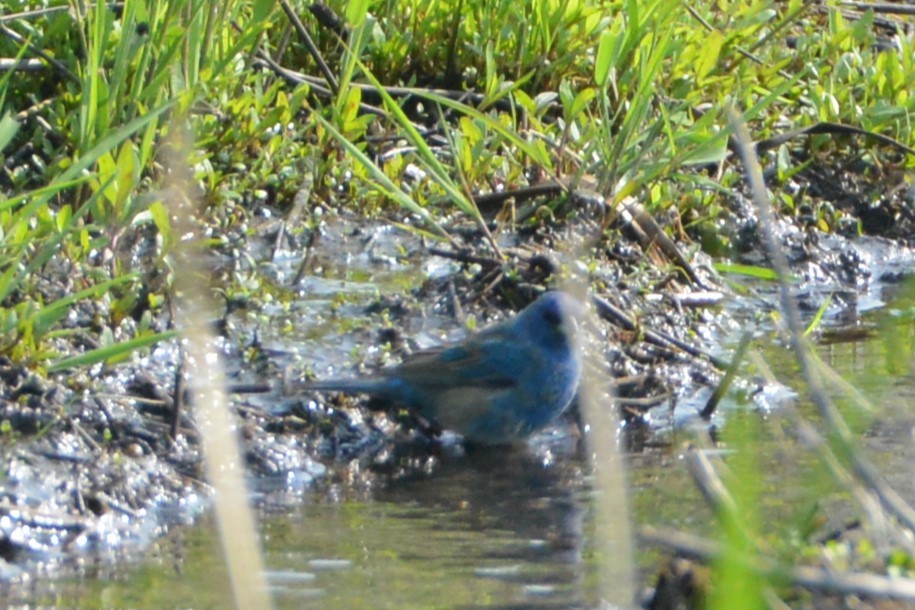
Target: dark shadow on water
[527,506]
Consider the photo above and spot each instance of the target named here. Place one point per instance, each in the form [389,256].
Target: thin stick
[329,77]
[729,375]
[616,316]
[854,583]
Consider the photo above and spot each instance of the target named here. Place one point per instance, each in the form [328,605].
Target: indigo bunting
[499,385]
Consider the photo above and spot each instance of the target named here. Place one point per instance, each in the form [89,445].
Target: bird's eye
[552,316]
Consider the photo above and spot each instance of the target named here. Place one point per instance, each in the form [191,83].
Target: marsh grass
[630,93]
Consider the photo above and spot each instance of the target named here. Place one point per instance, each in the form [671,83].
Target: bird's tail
[348,386]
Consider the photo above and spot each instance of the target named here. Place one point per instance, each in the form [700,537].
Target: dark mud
[95,464]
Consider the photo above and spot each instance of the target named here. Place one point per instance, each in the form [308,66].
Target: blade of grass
[760,273]
[385,184]
[109,352]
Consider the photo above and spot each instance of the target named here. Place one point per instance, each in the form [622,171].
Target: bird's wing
[476,363]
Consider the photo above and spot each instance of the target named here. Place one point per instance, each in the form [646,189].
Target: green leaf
[110,352]
[761,273]
[708,59]
[160,218]
[262,10]
[384,183]
[8,128]
[604,61]
[45,317]
[818,318]
[582,100]
[128,174]
[707,149]
[356,12]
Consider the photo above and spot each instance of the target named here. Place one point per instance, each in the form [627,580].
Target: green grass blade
[110,352]
[382,181]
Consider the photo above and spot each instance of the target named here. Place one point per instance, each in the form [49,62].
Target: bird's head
[553,319]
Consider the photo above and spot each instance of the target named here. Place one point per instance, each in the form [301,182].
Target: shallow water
[494,529]
[487,529]
[491,529]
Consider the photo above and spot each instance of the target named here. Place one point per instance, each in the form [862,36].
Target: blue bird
[497,386]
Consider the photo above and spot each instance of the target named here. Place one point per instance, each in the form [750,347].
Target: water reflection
[490,528]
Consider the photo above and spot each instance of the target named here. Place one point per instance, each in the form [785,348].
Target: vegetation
[627,98]
[629,93]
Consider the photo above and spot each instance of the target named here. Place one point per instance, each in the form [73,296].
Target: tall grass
[132,65]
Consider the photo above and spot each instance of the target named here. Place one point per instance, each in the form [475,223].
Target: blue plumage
[499,385]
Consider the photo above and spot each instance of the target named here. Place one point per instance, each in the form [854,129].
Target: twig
[635,216]
[8,64]
[33,13]
[823,128]
[329,77]
[882,7]
[178,402]
[728,379]
[248,388]
[34,109]
[616,316]
[855,583]
[317,86]
[892,27]
[307,260]
[327,18]
[60,67]
[465,256]
[643,404]
[109,419]
[399,92]
[716,494]
[708,481]
[494,201]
